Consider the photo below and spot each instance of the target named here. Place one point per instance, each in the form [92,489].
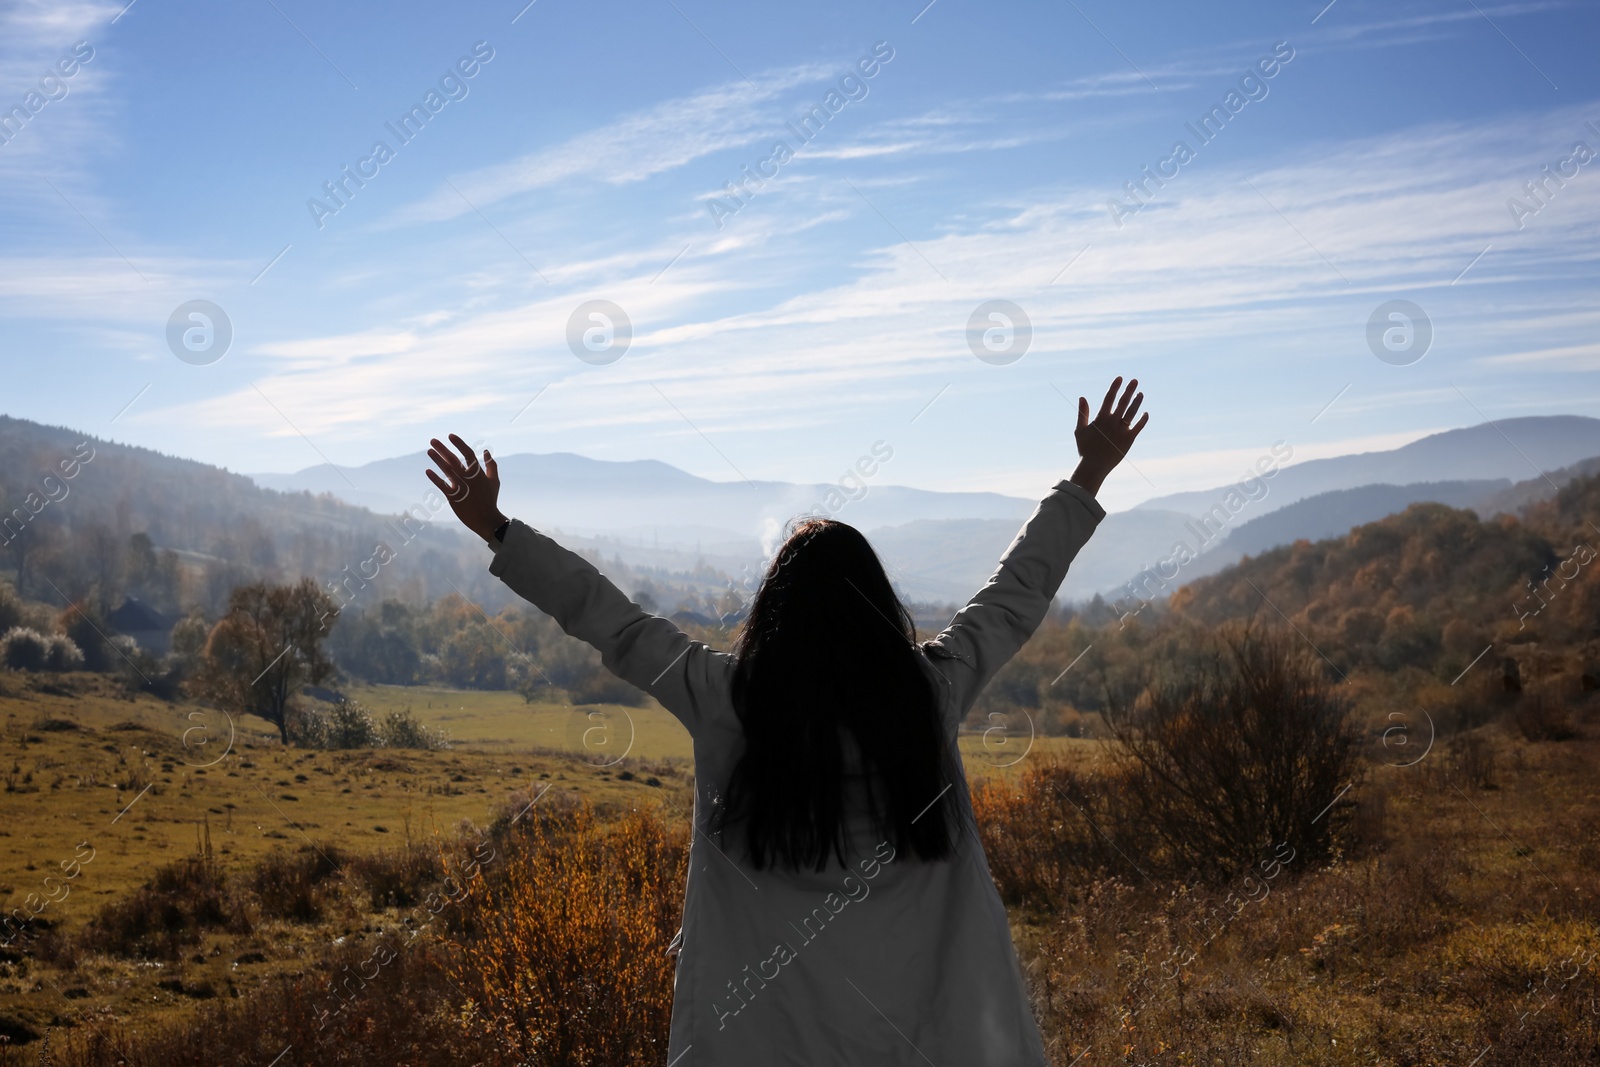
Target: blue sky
[830,311]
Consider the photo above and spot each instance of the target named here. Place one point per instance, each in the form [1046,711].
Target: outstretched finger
[492,467]
[451,492]
[1139,426]
[1127,395]
[441,454]
[1111,395]
[1083,412]
[1133,409]
[466,453]
[449,465]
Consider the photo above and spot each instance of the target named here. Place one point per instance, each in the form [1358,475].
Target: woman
[839,909]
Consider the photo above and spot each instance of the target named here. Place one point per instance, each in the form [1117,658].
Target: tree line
[1412,599]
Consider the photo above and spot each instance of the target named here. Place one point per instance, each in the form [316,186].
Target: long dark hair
[827,651]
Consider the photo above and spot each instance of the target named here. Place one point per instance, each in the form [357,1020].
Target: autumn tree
[267,646]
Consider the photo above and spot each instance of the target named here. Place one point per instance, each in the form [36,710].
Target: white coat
[886,960]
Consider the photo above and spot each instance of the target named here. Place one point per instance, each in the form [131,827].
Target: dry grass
[566,961]
[1454,922]
[1465,925]
[544,942]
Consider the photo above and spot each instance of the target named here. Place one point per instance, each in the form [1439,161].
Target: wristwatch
[500,531]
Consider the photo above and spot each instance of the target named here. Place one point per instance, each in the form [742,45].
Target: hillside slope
[1508,448]
[1431,587]
[1335,513]
[67,535]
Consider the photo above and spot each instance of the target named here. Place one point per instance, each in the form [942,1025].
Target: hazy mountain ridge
[937,546]
[1130,543]
[1332,514]
[951,559]
[560,490]
[1515,498]
[1510,449]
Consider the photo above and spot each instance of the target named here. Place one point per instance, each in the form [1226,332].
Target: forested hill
[1430,587]
[169,492]
[206,529]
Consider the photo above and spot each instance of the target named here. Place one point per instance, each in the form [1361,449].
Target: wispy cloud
[62,138]
[1581,357]
[1429,25]
[1208,264]
[32,24]
[634,146]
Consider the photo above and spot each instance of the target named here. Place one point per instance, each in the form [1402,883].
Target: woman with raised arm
[839,908]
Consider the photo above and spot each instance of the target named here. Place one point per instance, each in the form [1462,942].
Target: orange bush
[1053,832]
[564,958]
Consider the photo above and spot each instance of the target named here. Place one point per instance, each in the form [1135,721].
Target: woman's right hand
[1103,442]
[473,489]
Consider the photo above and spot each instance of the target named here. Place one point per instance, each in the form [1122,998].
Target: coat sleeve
[1001,617]
[688,677]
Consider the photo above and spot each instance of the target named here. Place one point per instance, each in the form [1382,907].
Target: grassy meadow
[78,760]
[202,903]
[116,786]
[87,766]
[81,754]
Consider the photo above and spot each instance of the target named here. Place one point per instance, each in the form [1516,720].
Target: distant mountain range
[664,521]
[576,494]
[1333,514]
[1513,449]
[943,546]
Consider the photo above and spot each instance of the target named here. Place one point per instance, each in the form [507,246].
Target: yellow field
[482,720]
[487,720]
[113,788]
[1487,880]
[125,782]
[130,779]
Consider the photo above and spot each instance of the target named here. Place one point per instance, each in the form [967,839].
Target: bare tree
[265,648]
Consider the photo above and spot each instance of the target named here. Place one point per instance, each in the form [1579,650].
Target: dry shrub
[398,878]
[556,954]
[566,913]
[1539,718]
[169,912]
[1242,759]
[1251,748]
[1474,761]
[407,1020]
[1368,829]
[290,885]
[578,913]
[1270,978]
[1053,832]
